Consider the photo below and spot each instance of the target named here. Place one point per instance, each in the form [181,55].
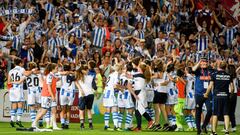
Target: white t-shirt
[157,83]
[86,85]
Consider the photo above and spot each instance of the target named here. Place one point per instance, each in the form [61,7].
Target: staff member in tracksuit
[220,82]
[202,78]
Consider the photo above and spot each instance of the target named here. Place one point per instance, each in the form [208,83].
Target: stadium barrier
[5,107]
[98,108]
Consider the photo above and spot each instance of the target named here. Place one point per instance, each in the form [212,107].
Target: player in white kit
[190,99]
[160,81]
[138,90]
[34,91]
[67,95]
[124,99]
[16,76]
[84,82]
[110,97]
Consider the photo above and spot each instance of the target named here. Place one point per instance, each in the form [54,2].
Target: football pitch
[74,128]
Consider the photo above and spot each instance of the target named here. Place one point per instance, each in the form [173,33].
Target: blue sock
[66,122]
[170,119]
[128,121]
[192,121]
[62,121]
[115,119]
[120,119]
[106,119]
[188,121]
[174,120]
[13,114]
[19,114]
[33,114]
[151,113]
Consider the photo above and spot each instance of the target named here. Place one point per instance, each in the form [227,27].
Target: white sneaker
[34,125]
[234,129]
[57,128]
[179,129]
[223,130]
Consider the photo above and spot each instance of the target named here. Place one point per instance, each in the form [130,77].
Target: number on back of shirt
[32,81]
[15,77]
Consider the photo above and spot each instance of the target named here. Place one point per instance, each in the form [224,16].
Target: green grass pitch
[5,129]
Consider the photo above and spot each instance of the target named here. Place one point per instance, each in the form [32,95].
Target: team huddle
[137,87]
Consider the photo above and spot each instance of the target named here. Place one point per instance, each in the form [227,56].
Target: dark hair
[170,68]
[180,73]
[92,64]
[66,67]
[189,69]
[49,68]
[232,71]
[136,61]
[17,61]
[158,66]
[129,66]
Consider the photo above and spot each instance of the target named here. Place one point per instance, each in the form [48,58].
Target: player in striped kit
[110,98]
[190,99]
[16,76]
[34,91]
[124,98]
[172,96]
[67,95]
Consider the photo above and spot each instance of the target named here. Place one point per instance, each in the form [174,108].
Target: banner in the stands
[15,11]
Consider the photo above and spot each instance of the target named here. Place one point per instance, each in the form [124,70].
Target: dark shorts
[220,106]
[86,102]
[159,98]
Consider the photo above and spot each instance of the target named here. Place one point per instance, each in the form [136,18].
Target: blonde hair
[146,71]
[31,65]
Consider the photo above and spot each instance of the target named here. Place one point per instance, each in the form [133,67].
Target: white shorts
[66,97]
[120,100]
[190,102]
[109,99]
[16,95]
[127,98]
[172,97]
[46,102]
[150,96]
[34,96]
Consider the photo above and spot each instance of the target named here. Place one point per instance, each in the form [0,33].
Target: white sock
[115,119]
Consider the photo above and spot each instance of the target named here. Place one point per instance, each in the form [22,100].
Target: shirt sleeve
[49,79]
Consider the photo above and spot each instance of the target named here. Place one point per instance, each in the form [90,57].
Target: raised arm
[194,68]
[216,20]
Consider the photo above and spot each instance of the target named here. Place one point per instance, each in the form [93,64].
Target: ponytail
[146,72]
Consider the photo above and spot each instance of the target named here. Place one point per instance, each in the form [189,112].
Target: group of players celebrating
[137,87]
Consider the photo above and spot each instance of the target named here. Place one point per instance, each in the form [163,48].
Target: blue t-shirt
[201,76]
